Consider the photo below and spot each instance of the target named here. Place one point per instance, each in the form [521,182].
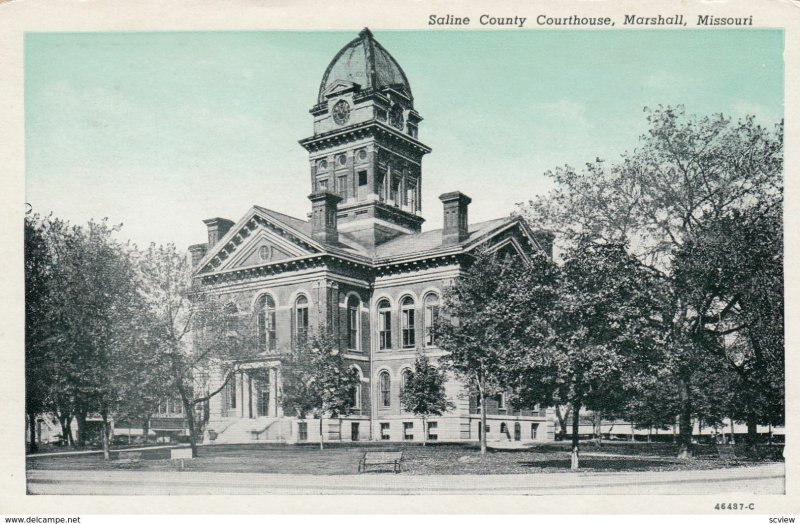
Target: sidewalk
[762,479]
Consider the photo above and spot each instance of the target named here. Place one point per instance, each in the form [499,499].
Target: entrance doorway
[517,431]
[262,397]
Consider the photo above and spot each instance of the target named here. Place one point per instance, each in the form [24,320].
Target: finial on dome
[365,33]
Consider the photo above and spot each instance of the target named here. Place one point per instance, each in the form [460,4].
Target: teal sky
[161,130]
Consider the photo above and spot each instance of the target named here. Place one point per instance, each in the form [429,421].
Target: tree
[192,332]
[593,340]
[39,335]
[318,381]
[732,272]
[482,313]
[424,393]
[91,298]
[685,173]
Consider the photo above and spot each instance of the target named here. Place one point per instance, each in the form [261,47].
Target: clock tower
[365,146]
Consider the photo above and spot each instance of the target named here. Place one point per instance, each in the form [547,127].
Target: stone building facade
[360,266]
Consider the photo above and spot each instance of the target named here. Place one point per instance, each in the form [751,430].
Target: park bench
[381,458]
[726,452]
[128,457]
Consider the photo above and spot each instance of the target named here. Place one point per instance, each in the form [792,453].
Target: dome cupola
[365,63]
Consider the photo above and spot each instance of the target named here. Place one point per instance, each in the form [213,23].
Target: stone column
[272,409]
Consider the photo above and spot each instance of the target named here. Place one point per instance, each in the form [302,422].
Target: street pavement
[760,479]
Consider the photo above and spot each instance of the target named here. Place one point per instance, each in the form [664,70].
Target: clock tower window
[341,189]
[362,185]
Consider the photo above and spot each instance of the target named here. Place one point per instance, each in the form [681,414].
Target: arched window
[265,311]
[384,324]
[407,313]
[407,375]
[386,389]
[353,314]
[301,317]
[405,380]
[431,315]
[231,313]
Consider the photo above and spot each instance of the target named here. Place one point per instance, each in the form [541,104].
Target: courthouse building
[360,266]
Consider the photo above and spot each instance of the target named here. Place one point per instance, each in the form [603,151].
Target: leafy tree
[191,332]
[318,381]
[39,335]
[594,340]
[732,272]
[424,392]
[482,314]
[685,173]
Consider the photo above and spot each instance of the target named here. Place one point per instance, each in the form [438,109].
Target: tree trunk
[562,421]
[752,431]
[424,433]
[482,436]
[145,429]
[80,416]
[34,447]
[187,409]
[685,425]
[321,446]
[104,432]
[69,432]
[576,425]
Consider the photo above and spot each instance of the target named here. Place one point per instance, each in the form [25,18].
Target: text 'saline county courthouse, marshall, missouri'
[359,267]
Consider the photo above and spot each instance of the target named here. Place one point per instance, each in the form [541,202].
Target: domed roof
[365,62]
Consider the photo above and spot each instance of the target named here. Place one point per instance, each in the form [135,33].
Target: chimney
[198,251]
[456,228]
[323,216]
[217,227]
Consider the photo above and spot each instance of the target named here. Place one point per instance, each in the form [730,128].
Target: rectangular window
[432,430]
[408,431]
[232,392]
[385,431]
[431,316]
[354,431]
[380,183]
[341,189]
[411,195]
[394,188]
[302,430]
[352,326]
[302,323]
[322,185]
[363,190]
[408,328]
[385,330]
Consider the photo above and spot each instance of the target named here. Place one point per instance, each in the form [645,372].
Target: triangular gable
[514,234]
[242,245]
[341,86]
[263,247]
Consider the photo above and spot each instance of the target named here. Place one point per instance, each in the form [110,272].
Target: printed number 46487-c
[735,506]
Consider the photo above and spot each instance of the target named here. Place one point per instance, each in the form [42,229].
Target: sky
[159,131]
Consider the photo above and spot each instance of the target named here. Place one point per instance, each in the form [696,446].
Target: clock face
[341,112]
[396,117]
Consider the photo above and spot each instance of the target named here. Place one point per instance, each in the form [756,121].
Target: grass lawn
[448,459]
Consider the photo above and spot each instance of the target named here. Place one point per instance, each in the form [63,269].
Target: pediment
[256,240]
[514,237]
[263,248]
[341,86]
